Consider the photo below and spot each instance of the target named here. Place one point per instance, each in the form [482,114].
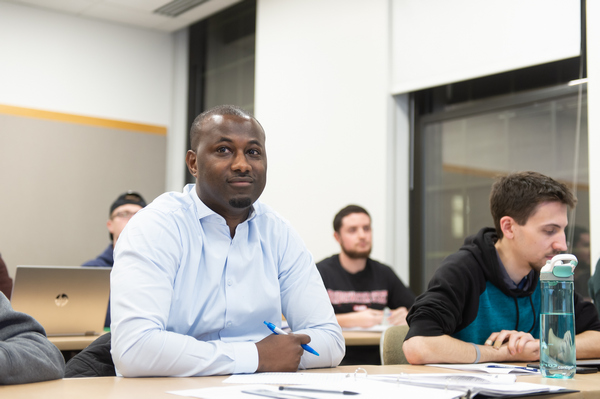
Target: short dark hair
[218,110]
[337,220]
[129,197]
[518,194]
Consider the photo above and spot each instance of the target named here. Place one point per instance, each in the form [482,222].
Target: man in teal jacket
[483,303]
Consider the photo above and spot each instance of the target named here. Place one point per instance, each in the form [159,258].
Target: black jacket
[451,301]
[93,361]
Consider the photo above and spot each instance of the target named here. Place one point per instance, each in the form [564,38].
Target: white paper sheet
[287,378]
[491,385]
[367,389]
[490,368]
[377,386]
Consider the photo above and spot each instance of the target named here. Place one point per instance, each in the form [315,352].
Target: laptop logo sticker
[61,300]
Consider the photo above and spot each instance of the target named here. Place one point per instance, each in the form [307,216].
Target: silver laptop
[65,300]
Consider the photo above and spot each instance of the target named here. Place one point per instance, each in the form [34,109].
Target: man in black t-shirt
[360,288]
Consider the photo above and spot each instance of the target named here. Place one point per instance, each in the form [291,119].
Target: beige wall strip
[83,120]
[492,174]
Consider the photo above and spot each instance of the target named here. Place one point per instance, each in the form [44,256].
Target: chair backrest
[391,345]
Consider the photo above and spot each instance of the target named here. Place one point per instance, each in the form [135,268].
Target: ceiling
[139,13]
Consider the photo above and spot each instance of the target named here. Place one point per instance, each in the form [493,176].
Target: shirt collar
[523,285]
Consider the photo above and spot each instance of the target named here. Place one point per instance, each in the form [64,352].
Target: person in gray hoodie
[26,355]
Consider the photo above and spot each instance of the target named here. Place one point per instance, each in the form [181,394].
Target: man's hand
[280,352]
[517,344]
[398,316]
[363,318]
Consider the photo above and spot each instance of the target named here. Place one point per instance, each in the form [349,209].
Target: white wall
[321,94]
[57,62]
[593,71]
[178,132]
[72,65]
[437,42]
[325,74]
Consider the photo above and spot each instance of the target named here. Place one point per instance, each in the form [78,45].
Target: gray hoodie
[26,355]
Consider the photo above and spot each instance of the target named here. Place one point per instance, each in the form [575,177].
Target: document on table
[288,378]
[366,389]
[476,383]
[435,385]
[490,368]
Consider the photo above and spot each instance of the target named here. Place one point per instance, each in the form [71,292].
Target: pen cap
[560,268]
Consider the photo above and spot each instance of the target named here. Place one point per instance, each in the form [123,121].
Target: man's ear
[507,225]
[190,160]
[109,226]
[337,237]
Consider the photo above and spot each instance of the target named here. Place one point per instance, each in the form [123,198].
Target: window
[221,70]
[460,149]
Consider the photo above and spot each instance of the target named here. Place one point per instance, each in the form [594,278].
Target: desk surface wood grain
[156,388]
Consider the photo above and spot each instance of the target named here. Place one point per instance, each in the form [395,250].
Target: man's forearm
[587,344]
[345,320]
[440,349]
[364,318]
[445,349]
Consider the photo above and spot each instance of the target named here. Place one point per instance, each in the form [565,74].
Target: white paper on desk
[373,389]
[450,378]
[477,383]
[287,378]
[368,389]
[500,368]
[229,392]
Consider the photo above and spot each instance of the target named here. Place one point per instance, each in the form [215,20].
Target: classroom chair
[391,345]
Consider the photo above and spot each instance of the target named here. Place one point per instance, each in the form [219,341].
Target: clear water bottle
[387,312]
[557,318]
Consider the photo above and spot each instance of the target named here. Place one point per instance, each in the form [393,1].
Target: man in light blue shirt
[197,273]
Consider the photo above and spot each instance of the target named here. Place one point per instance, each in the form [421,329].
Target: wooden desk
[355,338]
[73,343]
[156,388]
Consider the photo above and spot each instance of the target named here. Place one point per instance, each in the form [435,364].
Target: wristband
[478,353]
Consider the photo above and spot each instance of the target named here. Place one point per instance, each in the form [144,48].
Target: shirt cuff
[246,357]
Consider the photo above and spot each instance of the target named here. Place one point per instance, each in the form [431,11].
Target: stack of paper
[365,389]
[490,368]
[435,385]
[489,385]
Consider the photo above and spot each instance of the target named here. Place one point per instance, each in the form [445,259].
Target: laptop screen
[65,300]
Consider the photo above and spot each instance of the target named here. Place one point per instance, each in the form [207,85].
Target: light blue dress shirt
[188,300]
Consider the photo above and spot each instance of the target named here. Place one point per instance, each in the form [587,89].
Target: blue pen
[279,331]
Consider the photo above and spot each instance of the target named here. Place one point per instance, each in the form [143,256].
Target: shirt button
[228,324]
[229,282]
